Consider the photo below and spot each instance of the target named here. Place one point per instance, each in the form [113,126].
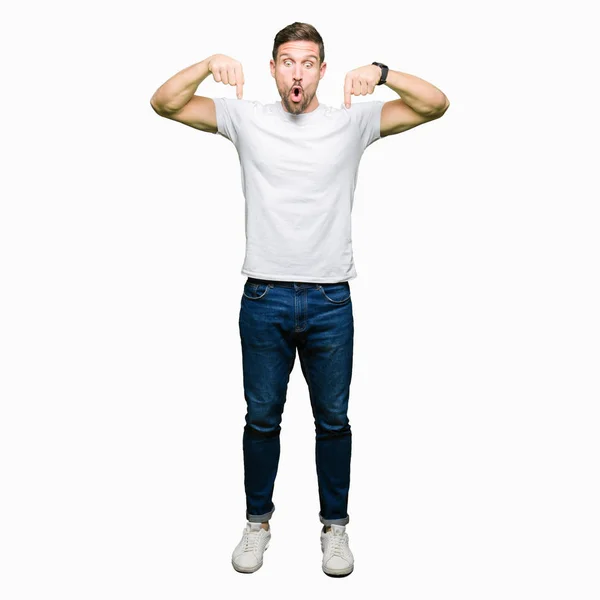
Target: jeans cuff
[260,518]
[343,521]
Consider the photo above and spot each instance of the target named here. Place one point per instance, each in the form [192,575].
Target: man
[299,162]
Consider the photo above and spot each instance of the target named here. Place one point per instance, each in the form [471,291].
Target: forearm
[421,96]
[177,91]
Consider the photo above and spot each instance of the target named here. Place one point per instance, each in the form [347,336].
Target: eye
[286,62]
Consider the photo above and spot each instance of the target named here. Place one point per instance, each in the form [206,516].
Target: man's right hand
[227,70]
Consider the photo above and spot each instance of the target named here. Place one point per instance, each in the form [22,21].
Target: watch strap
[384,72]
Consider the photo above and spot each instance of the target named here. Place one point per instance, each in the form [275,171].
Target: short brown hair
[297,32]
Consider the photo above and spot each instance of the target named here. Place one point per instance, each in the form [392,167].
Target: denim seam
[255,286]
[343,521]
[331,299]
[260,518]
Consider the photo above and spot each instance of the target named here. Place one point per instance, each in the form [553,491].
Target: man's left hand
[361,81]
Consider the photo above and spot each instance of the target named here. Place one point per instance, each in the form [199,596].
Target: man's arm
[175,98]
[177,91]
[420,102]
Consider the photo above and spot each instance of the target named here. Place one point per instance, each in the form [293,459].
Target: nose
[298,73]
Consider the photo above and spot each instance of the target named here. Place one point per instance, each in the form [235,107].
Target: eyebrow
[308,56]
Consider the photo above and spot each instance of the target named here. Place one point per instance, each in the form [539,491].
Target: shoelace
[251,539]
[337,545]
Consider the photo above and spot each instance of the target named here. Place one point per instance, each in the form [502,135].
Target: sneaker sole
[338,572]
[249,569]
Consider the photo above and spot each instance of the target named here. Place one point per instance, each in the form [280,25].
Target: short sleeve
[366,116]
[230,117]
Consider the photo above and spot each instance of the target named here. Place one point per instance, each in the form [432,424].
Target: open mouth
[296,93]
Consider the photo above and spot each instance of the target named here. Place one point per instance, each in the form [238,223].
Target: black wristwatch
[384,72]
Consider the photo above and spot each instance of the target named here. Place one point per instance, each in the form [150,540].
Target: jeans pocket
[336,293]
[256,291]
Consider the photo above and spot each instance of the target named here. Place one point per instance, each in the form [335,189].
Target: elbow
[156,107]
[438,111]
[444,107]
[160,108]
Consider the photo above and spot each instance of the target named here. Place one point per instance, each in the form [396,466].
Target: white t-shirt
[299,174]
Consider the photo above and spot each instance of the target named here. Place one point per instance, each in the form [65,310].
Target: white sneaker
[248,554]
[337,558]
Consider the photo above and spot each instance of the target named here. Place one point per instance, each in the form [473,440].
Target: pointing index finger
[239,81]
[347,91]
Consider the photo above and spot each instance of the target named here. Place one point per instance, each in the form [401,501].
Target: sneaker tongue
[254,526]
[338,529]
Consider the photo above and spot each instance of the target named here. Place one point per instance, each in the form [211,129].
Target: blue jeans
[276,318]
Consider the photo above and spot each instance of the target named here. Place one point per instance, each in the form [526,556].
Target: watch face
[384,72]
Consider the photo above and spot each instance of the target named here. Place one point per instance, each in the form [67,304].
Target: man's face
[298,67]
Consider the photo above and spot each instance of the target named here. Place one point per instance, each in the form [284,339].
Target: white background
[474,399]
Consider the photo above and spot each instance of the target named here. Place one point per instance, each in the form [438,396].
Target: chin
[297,108]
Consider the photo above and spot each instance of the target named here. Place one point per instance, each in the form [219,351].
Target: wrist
[384,72]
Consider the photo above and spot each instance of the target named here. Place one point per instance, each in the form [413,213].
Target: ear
[322,70]
[272,66]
